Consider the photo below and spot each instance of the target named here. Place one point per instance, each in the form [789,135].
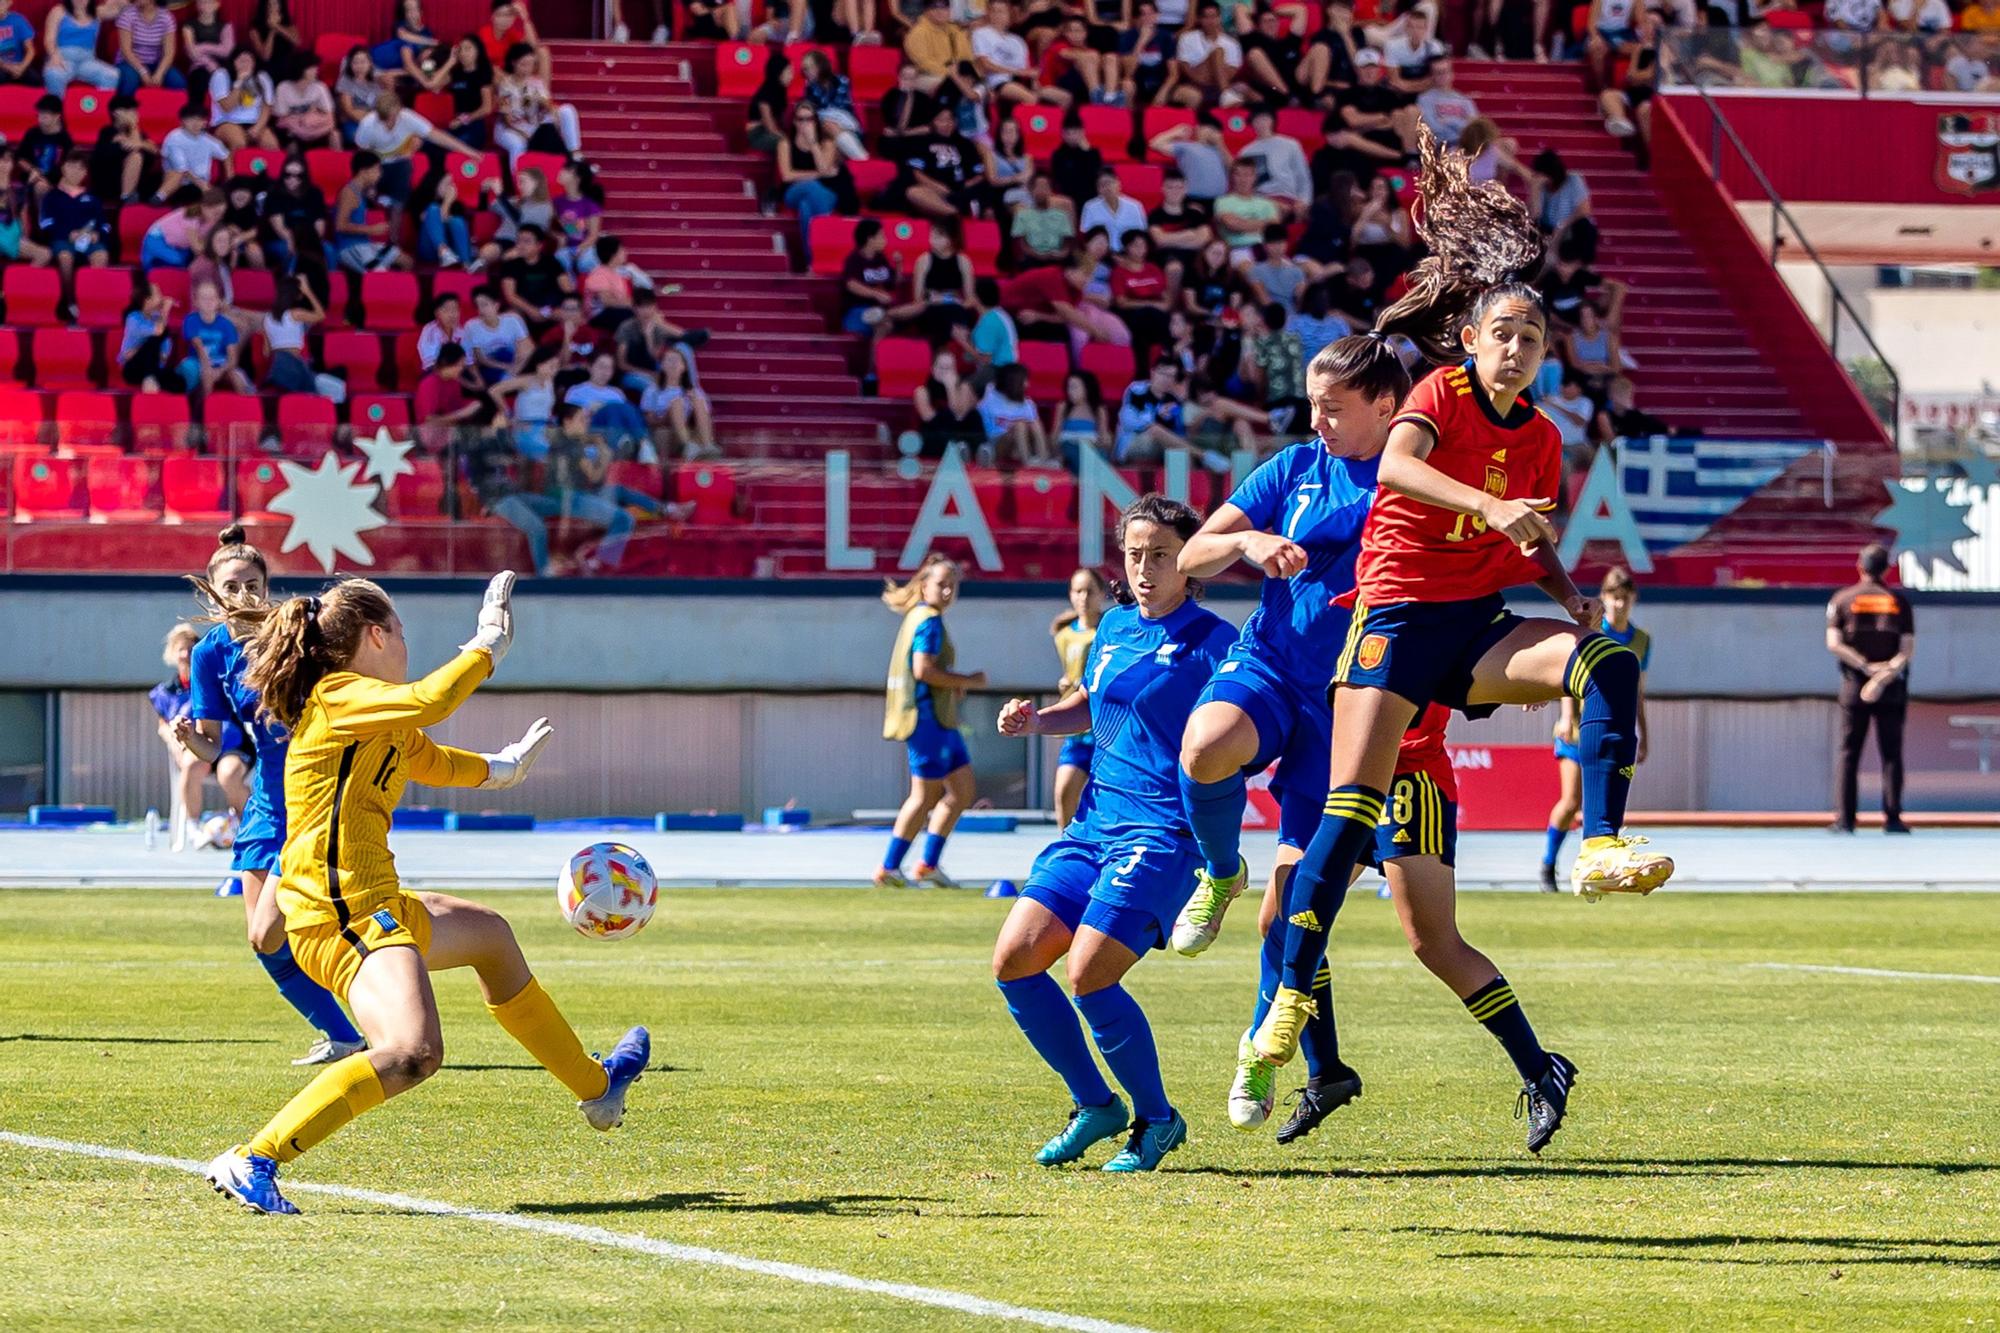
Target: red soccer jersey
[1415,552]
[1423,750]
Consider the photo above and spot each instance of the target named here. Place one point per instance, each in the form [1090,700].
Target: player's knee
[1601,665]
[413,1061]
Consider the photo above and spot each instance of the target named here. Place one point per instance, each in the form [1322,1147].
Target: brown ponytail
[302,639]
[1480,238]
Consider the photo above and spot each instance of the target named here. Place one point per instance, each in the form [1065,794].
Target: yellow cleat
[1618,865]
[1277,1037]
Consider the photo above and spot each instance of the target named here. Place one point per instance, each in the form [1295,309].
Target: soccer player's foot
[1200,920]
[250,1181]
[933,878]
[1548,877]
[1545,1100]
[1277,1037]
[885,878]
[1618,865]
[1894,826]
[1087,1125]
[1254,1092]
[326,1050]
[1150,1142]
[628,1060]
[1318,1099]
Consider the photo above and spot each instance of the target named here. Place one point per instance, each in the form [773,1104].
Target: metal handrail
[1719,129]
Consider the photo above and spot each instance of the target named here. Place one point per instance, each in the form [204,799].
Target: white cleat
[326,1051]
[1200,919]
[1254,1092]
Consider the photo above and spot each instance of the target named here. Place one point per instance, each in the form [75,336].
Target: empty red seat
[871,71]
[1303,124]
[338,292]
[234,422]
[359,354]
[175,285]
[437,108]
[160,111]
[123,488]
[258,481]
[49,488]
[871,175]
[980,242]
[712,488]
[1145,182]
[470,174]
[17,108]
[1111,366]
[63,358]
[389,301]
[329,169]
[739,68]
[372,412]
[1236,131]
[101,296]
[901,364]
[253,288]
[1041,128]
[23,413]
[194,490]
[1043,498]
[85,417]
[133,220]
[159,423]
[306,423]
[1108,129]
[331,48]
[1048,366]
[908,238]
[832,242]
[409,366]
[456,281]
[256,162]
[86,110]
[32,294]
[419,496]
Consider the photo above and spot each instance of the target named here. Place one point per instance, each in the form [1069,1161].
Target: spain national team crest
[1372,649]
[1968,154]
[1496,481]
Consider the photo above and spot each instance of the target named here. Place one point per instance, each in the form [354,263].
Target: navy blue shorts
[1294,730]
[1077,752]
[1131,889]
[935,752]
[1424,651]
[1418,819]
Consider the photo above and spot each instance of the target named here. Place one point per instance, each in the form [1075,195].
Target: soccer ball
[607,891]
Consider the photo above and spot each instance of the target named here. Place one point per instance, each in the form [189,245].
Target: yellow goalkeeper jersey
[357,744]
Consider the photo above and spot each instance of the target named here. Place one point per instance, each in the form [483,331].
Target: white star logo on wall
[387,459]
[329,510]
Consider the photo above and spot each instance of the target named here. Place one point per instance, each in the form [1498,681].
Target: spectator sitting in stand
[941,282]
[1149,70]
[936,46]
[947,410]
[1273,364]
[574,340]
[531,120]
[1242,216]
[1628,108]
[996,342]
[361,243]
[19,217]
[294,310]
[1215,423]
[644,341]
[532,283]
[1080,420]
[1071,71]
[303,108]
[1621,419]
[678,409]
[1412,51]
[1590,349]
[146,359]
[610,410]
[447,321]
[511,26]
[1316,325]
[1328,240]
[1178,227]
[73,226]
[1561,206]
[1043,230]
[1575,417]
[608,287]
[239,102]
[1111,210]
[945,178]
[495,339]
[467,76]
[1327,68]
[531,402]
[45,145]
[1150,416]
[1013,428]
[1075,165]
[770,105]
[1272,55]
[397,136]
[295,215]
[868,279]
[1003,59]
[1139,294]
[1274,277]
[448,397]
[1445,109]
[1609,35]
[147,44]
[1199,156]
[274,34]
[1210,60]
[190,155]
[906,115]
[17,45]
[214,345]
[1280,164]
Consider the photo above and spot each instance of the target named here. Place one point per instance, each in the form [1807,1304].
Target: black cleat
[1894,826]
[1544,1101]
[1317,1100]
[1549,879]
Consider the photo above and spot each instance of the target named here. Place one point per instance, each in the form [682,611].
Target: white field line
[1889,973]
[622,1240]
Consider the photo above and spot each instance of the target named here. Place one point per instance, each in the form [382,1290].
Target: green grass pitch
[838,1085]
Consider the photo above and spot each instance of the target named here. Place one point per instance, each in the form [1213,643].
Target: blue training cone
[230,888]
[1003,888]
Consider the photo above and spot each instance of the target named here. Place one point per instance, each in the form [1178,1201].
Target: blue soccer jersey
[1144,676]
[215,679]
[1307,496]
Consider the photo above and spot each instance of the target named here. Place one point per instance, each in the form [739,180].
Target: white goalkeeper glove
[496,618]
[510,766]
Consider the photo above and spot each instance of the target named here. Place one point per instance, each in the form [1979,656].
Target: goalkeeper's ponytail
[302,639]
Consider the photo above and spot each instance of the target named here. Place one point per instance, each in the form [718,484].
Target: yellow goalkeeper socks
[342,1091]
[532,1019]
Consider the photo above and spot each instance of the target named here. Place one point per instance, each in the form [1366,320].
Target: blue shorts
[1418,819]
[260,836]
[935,751]
[1294,729]
[1567,750]
[1131,889]
[1077,752]
[856,322]
[1424,651]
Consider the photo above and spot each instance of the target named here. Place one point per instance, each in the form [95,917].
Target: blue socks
[933,849]
[898,849]
[1125,1039]
[1319,881]
[1603,677]
[1496,1010]
[314,1002]
[1042,1012]
[1552,844]
[1215,813]
[1320,1042]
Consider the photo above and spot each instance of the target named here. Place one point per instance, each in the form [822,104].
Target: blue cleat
[1149,1143]
[230,888]
[251,1181]
[628,1060]
[1087,1125]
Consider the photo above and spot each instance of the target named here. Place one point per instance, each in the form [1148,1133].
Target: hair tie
[312,607]
[1376,335]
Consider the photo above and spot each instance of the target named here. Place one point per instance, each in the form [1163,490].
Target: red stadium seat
[1303,124]
[159,423]
[712,488]
[454,280]
[17,108]
[32,295]
[331,48]
[359,354]
[23,414]
[1110,366]
[86,110]
[234,422]
[1157,120]
[49,488]
[908,238]
[133,220]
[194,490]
[1236,131]
[1041,128]
[409,366]
[981,244]
[901,364]
[258,481]
[306,424]
[159,111]
[101,294]
[64,358]
[989,489]
[1144,181]
[256,162]
[1043,498]
[871,72]
[1048,365]
[549,164]
[649,479]
[832,242]
[371,412]
[389,301]
[470,174]
[86,418]
[338,296]
[1109,130]
[871,175]
[10,357]
[254,288]
[739,68]
[328,168]
[437,108]
[123,489]
[174,284]
[419,497]
[796,53]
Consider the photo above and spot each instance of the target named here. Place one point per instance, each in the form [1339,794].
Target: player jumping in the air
[1618,594]
[1106,891]
[921,710]
[332,668]
[1470,469]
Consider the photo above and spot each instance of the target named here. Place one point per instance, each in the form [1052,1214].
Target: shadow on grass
[1589,1167]
[728,1201]
[452,1068]
[139,1041]
[1823,1251]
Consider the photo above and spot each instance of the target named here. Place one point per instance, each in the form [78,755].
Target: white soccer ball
[607,891]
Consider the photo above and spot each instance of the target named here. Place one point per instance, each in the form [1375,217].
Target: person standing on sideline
[1871,629]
